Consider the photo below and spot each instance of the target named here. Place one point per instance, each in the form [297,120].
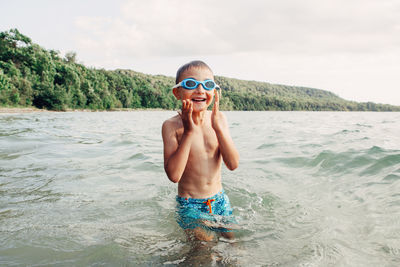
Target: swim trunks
[195,212]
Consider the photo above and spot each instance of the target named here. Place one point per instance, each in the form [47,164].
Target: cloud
[155,28]
[349,47]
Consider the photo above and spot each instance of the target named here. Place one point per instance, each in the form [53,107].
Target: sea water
[89,189]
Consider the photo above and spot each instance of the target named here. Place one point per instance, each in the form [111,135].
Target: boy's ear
[175,91]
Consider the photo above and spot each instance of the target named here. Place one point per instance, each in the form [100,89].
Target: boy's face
[200,97]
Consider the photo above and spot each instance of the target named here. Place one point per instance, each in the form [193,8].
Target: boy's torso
[202,175]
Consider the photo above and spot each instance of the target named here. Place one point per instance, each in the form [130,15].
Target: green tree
[32,75]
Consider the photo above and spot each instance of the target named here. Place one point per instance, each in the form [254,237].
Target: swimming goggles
[191,84]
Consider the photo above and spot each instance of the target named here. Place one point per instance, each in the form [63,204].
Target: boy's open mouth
[198,99]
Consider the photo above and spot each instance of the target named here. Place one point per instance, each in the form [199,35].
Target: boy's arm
[229,153]
[176,155]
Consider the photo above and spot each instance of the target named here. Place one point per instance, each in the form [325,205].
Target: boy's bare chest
[204,141]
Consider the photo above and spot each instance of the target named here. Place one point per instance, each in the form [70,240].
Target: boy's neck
[198,117]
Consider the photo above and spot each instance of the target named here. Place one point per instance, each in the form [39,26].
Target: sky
[348,47]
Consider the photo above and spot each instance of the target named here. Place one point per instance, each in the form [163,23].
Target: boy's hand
[186,115]
[226,146]
[218,120]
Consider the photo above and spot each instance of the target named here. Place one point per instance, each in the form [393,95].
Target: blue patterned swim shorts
[195,212]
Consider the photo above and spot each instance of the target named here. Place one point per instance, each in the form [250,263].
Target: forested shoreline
[33,76]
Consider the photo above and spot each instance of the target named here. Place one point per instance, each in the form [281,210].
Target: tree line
[33,76]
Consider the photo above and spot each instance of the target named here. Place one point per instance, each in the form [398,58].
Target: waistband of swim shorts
[219,195]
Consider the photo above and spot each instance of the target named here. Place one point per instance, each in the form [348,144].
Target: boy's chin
[200,108]
[197,110]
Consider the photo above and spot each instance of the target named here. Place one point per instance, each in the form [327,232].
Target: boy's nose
[200,87]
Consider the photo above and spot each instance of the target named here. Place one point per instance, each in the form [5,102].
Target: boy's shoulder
[170,128]
[174,122]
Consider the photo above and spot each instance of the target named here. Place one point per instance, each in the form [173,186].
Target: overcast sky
[349,47]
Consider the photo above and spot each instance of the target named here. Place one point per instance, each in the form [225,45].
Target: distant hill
[33,76]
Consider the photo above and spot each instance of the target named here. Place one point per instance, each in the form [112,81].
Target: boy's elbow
[172,177]
[233,165]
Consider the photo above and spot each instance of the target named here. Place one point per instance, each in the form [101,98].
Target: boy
[195,143]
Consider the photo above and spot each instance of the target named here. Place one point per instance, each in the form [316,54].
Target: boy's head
[191,64]
[201,94]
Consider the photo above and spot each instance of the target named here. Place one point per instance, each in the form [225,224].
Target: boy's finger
[216,101]
[190,110]
[187,105]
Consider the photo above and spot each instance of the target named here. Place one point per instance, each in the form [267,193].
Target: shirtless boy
[196,141]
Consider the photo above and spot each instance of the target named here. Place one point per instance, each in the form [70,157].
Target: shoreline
[5,110]
[17,110]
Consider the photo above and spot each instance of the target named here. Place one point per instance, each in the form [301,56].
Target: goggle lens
[190,84]
[209,84]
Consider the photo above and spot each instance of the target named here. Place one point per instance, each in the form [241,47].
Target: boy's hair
[191,64]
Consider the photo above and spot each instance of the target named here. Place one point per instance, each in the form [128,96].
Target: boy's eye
[190,83]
